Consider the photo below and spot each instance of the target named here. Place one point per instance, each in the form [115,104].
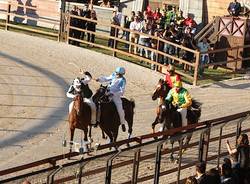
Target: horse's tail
[132,101]
[196,106]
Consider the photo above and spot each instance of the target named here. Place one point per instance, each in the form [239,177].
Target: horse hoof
[171,158]
[64,143]
[123,128]
[176,161]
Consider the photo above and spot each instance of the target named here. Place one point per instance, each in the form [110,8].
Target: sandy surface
[35,76]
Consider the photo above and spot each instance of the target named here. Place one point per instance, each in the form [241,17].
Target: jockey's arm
[69,92]
[188,100]
[169,97]
[105,79]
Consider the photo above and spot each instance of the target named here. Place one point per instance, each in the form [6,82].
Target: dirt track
[35,75]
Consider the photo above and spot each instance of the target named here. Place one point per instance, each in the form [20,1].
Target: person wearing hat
[80,86]
[171,77]
[115,90]
[180,98]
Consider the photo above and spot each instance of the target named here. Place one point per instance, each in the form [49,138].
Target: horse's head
[165,112]
[161,90]
[78,104]
[99,93]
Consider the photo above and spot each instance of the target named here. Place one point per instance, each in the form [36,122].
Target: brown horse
[160,92]
[79,117]
[109,118]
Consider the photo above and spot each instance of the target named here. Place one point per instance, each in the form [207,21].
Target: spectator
[214,176]
[157,14]
[203,47]
[26,182]
[180,18]
[136,25]
[91,26]
[126,24]
[74,22]
[226,174]
[202,178]
[145,40]
[191,180]
[242,155]
[105,3]
[114,31]
[234,8]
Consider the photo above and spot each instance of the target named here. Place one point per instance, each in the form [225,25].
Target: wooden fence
[64,30]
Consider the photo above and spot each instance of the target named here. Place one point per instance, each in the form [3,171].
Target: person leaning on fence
[114,31]
[241,152]
[136,26]
[91,26]
[181,99]
[203,47]
[171,77]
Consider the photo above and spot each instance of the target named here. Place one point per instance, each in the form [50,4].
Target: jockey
[171,77]
[80,87]
[180,98]
[116,89]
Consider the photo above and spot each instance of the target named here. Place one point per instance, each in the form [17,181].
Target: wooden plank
[33,30]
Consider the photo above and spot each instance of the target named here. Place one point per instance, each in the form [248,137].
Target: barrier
[144,153]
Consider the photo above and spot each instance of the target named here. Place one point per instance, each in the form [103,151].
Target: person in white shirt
[136,25]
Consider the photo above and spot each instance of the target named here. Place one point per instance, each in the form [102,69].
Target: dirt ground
[35,74]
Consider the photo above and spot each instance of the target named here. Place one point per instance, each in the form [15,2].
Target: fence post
[196,68]
[158,163]
[115,41]
[109,167]
[219,149]
[136,166]
[204,144]
[7,17]
[62,17]
[68,29]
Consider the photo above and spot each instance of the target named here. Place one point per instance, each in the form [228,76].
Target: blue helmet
[120,70]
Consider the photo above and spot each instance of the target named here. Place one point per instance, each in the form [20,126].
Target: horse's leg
[85,142]
[72,131]
[103,135]
[154,123]
[188,138]
[172,150]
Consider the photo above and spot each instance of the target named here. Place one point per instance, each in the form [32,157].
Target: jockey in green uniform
[180,98]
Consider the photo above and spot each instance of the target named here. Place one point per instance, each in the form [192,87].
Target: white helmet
[77,84]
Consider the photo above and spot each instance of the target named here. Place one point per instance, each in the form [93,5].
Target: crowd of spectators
[89,13]
[168,24]
[235,170]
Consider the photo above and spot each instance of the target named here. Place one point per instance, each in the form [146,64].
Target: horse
[79,117]
[160,92]
[109,120]
[171,118]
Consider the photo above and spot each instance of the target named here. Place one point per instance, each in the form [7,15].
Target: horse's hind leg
[154,123]
[72,131]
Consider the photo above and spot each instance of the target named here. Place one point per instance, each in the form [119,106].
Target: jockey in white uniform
[76,88]
[116,89]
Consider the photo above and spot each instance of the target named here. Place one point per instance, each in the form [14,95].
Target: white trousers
[118,103]
[183,113]
[90,102]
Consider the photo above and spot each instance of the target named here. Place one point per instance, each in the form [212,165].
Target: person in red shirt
[171,77]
